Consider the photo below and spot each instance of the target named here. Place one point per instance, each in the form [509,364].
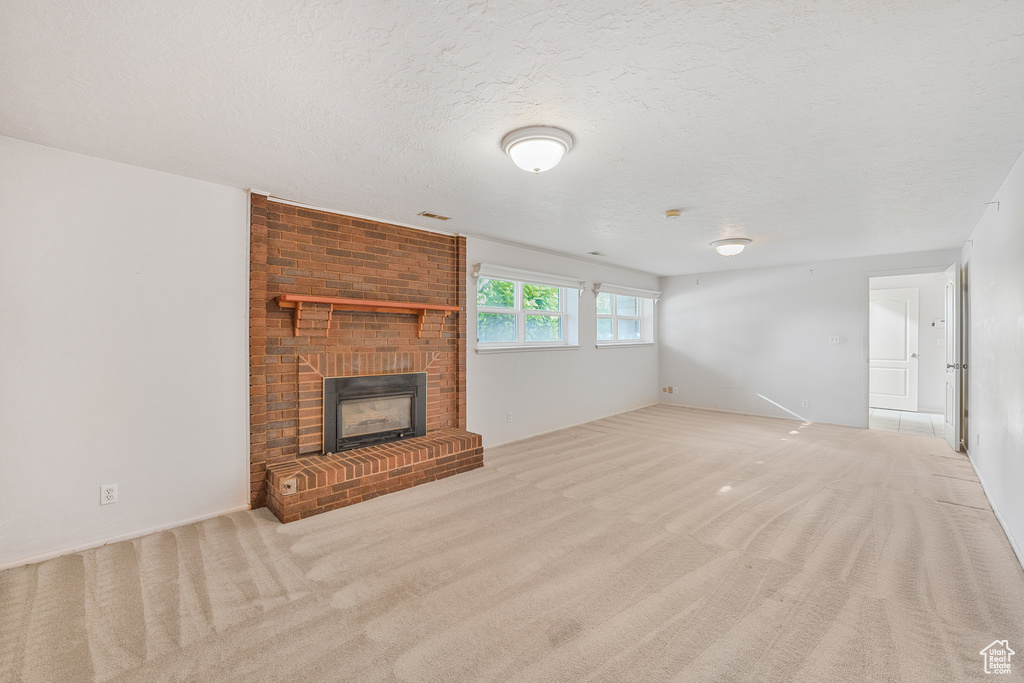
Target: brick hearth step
[327,482]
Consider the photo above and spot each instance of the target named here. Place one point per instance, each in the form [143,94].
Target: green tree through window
[511,312]
[496,293]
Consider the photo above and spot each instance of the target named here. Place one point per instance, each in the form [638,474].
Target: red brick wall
[303,251]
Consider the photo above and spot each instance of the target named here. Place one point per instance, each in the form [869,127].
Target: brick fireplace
[301,259]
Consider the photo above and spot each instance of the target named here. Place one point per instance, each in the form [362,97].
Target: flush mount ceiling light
[537,148]
[730,247]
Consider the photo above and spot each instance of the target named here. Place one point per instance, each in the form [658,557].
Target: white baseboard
[122,537]
[999,517]
[749,414]
[558,429]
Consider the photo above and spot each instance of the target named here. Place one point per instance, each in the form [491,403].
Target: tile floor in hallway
[921,424]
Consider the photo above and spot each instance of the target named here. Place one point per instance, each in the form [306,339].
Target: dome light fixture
[730,247]
[537,148]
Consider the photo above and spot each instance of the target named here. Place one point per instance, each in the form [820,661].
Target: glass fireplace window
[370,415]
[363,410]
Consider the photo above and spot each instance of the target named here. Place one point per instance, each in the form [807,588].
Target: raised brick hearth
[305,252]
[323,483]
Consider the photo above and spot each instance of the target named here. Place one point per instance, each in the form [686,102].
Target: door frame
[939,268]
[953,428]
[965,350]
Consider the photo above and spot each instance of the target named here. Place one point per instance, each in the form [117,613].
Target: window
[624,315]
[520,309]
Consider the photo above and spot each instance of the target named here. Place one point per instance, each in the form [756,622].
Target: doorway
[906,353]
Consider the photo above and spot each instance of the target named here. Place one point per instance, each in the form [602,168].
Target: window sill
[619,345]
[518,349]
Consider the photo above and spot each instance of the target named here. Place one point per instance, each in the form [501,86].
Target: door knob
[913,355]
[949,367]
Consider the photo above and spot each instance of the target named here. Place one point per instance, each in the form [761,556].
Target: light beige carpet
[661,544]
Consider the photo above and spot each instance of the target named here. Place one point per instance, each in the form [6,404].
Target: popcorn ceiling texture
[820,130]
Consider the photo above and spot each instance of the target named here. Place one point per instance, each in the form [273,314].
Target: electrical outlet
[108,494]
[671,390]
[833,339]
[508,416]
[804,403]
[290,487]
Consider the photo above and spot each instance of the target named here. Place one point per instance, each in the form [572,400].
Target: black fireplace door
[373,409]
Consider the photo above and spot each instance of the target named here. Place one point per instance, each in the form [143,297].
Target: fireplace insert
[372,409]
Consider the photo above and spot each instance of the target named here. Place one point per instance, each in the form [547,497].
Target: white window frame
[645,314]
[569,290]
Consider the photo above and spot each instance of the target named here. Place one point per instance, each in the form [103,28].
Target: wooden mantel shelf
[296,300]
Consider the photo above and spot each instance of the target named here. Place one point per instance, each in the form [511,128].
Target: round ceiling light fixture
[730,247]
[537,148]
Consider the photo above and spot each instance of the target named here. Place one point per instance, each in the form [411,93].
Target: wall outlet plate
[833,339]
[108,494]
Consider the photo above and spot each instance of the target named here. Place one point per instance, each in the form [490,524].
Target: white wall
[123,350]
[548,390]
[746,340]
[994,266]
[931,340]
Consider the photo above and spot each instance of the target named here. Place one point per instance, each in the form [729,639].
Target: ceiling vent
[434,215]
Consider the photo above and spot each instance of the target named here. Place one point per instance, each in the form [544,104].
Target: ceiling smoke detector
[537,148]
[730,247]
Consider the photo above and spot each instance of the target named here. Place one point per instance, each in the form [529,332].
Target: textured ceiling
[819,129]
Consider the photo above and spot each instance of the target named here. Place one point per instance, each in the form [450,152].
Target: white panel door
[892,348]
[952,418]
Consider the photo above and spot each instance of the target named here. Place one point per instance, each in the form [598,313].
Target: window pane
[495,293]
[604,304]
[540,298]
[629,329]
[495,327]
[543,328]
[604,329]
[625,305]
